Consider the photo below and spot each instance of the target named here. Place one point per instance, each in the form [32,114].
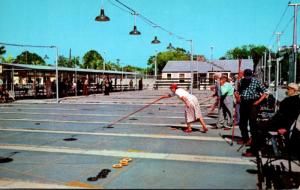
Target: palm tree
[2,51]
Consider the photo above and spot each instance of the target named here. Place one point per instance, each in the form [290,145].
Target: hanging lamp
[155,41]
[170,46]
[102,17]
[135,31]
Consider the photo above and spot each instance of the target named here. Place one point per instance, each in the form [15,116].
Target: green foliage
[66,62]
[27,57]
[163,57]
[8,59]
[2,50]
[92,60]
[255,52]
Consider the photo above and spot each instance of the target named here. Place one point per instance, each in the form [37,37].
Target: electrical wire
[275,30]
[119,7]
[144,18]
[22,45]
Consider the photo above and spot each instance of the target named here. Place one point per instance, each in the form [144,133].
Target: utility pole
[295,5]
[211,53]
[191,66]
[278,66]
[269,65]
[265,65]
[155,65]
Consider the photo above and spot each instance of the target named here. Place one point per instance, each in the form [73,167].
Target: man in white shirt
[192,107]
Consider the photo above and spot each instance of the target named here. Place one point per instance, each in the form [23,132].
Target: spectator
[48,87]
[85,86]
[107,86]
[237,101]
[287,114]
[251,93]
[131,84]
[141,84]
[217,93]
[225,119]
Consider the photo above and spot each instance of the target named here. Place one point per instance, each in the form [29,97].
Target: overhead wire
[22,45]
[286,26]
[130,10]
[280,20]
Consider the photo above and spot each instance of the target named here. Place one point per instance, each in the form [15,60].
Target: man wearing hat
[192,107]
[250,93]
[287,114]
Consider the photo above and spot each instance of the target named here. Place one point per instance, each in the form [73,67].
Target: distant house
[180,71]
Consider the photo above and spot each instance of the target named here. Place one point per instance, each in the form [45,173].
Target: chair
[279,147]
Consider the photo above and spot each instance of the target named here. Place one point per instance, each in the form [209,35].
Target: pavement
[34,134]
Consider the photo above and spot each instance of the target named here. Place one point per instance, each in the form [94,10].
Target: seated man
[281,122]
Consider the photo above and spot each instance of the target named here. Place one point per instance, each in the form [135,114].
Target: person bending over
[192,107]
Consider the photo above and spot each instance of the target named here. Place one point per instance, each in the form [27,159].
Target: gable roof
[204,67]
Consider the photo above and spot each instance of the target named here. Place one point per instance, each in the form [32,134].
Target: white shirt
[182,93]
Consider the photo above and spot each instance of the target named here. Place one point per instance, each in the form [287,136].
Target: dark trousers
[248,113]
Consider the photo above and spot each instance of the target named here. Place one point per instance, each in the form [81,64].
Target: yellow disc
[127,159]
[117,166]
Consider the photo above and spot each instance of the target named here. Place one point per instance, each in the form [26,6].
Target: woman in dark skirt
[106,86]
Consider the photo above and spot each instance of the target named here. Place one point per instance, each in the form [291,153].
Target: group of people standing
[245,96]
[239,102]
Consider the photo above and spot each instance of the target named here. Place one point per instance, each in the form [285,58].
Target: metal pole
[211,55]
[13,87]
[277,80]
[295,38]
[265,65]
[155,67]
[278,66]
[121,78]
[191,67]
[269,64]
[104,62]
[56,73]
[295,42]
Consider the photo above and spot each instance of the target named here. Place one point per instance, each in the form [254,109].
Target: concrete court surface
[32,133]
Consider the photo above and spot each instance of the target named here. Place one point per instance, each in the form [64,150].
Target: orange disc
[123,162]
[117,166]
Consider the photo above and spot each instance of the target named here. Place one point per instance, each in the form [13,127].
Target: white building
[180,71]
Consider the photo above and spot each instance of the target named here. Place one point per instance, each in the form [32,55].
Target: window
[181,77]
[169,76]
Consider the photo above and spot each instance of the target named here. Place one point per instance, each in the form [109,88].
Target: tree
[8,59]
[238,53]
[66,62]
[27,57]
[246,51]
[2,52]
[92,60]
[162,58]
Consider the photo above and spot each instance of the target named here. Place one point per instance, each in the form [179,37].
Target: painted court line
[96,115]
[117,153]
[27,108]
[155,136]
[84,114]
[95,122]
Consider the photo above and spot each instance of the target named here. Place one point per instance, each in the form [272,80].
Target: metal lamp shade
[135,31]
[155,41]
[102,17]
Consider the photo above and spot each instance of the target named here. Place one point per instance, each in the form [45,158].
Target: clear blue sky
[224,24]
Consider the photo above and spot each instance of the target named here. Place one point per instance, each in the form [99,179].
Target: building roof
[204,67]
[53,68]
